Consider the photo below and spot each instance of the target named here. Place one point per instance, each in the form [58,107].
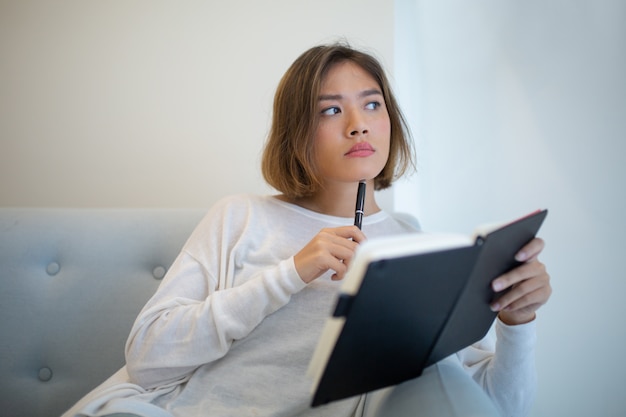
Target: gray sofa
[72,282]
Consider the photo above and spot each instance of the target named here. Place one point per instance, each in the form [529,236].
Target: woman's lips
[359,150]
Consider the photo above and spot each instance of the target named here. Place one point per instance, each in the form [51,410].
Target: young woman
[233,326]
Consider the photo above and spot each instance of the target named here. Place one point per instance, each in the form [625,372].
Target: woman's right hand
[330,249]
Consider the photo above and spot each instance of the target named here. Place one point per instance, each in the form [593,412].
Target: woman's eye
[372,105]
[331,111]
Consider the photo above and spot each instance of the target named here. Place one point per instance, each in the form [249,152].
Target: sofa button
[45,374]
[53,268]
[158,272]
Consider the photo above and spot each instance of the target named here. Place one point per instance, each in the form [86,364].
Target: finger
[339,269]
[341,253]
[529,302]
[517,275]
[319,262]
[532,291]
[334,254]
[347,232]
[531,250]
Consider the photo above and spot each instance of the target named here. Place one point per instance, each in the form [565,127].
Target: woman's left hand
[528,284]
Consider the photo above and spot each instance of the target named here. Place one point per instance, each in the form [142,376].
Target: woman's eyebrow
[371,92]
[364,93]
[324,97]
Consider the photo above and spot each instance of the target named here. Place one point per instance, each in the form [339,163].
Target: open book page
[370,251]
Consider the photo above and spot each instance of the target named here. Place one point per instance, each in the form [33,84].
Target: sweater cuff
[293,280]
[516,338]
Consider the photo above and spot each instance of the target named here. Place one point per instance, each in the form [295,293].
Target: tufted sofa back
[72,282]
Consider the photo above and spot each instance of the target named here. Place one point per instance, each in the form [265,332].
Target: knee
[443,390]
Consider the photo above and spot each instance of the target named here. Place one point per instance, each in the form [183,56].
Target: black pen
[360,204]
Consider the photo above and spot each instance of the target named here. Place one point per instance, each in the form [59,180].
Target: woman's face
[352,138]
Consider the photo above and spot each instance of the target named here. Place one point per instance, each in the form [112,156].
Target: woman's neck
[338,200]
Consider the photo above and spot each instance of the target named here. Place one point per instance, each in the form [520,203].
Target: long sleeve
[197,312]
[175,335]
[508,375]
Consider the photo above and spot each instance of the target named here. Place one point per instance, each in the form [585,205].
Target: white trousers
[443,390]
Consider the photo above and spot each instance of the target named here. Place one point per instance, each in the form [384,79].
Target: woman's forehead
[346,75]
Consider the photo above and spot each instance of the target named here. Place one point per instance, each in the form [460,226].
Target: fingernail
[497,286]
[495,307]
[521,256]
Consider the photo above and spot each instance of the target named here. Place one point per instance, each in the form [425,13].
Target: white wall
[153,103]
[520,105]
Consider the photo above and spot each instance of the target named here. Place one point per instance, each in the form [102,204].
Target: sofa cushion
[72,282]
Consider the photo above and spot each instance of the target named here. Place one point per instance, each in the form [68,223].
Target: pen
[360,203]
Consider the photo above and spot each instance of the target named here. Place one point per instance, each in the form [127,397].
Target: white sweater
[232,327]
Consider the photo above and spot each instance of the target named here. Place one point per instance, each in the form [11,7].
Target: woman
[232,327]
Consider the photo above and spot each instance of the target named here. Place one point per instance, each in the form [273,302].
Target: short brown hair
[288,164]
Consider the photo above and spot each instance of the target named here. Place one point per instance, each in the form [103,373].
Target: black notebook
[409,301]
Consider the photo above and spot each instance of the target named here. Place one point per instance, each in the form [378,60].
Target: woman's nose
[357,125]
